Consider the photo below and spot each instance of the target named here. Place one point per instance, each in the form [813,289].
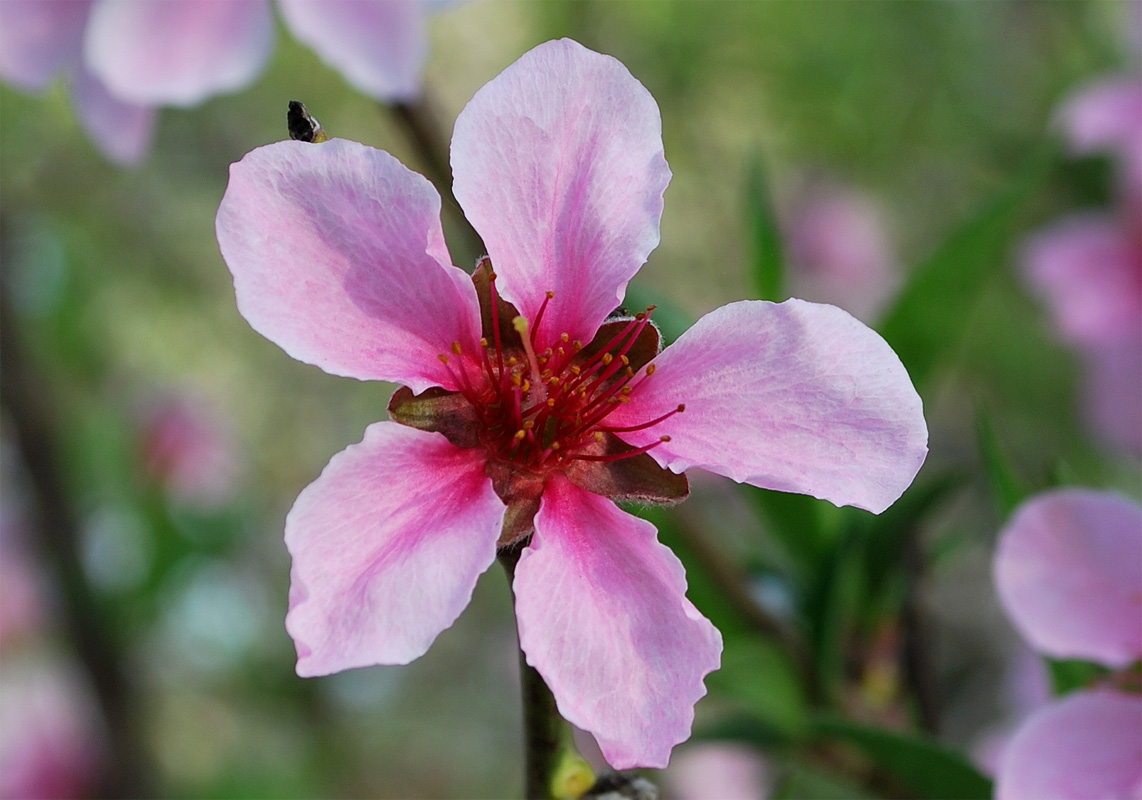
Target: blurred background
[888,157]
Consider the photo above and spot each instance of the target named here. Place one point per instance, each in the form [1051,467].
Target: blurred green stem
[422,127]
[542,724]
[33,422]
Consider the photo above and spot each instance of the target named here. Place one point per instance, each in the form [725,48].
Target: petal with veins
[387,545]
[604,619]
[797,397]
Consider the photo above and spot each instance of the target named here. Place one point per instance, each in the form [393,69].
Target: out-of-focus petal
[121,131]
[177,53]
[797,397]
[719,771]
[38,38]
[1090,273]
[380,48]
[1068,569]
[559,166]
[387,545]
[604,619]
[1114,391]
[339,258]
[840,251]
[1085,747]
[1104,115]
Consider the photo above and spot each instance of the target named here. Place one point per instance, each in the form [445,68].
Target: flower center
[540,411]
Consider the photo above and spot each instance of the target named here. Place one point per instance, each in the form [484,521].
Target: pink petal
[1087,746]
[387,545]
[177,53]
[122,132]
[1114,392]
[559,165]
[1090,273]
[1068,569]
[797,397]
[1104,115]
[338,257]
[604,619]
[380,48]
[720,771]
[38,38]
[840,250]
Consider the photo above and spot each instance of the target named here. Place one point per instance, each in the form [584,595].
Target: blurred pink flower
[1069,573]
[22,598]
[1088,268]
[338,256]
[125,57]
[719,771]
[839,250]
[50,739]
[190,452]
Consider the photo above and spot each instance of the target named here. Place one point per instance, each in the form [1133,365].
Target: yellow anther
[526,385]
[443,358]
[551,403]
[555,445]
[564,337]
[520,325]
[607,359]
[456,348]
[516,379]
[550,295]
[575,370]
[555,381]
[521,434]
[599,437]
[664,438]
[624,398]
[625,390]
[527,426]
[681,407]
[625,360]
[483,341]
[650,370]
[577,345]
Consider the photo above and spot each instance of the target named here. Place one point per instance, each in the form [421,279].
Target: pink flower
[720,771]
[533,407]
[189,452]
[1088,267]
[839,250]
[126,57]
[1069,573]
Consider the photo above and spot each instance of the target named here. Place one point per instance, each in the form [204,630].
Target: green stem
[542,725]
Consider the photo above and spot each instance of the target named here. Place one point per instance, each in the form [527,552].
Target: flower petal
[604,619]
[387,545]
[1090,273]
[1104,115]
[339,258]
[177,53]
[1068,569]
[38,38]
[380,48]
[797,397]
[121,131]
[1088,745]
[559,166]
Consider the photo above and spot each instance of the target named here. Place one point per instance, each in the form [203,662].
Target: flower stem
[542,725]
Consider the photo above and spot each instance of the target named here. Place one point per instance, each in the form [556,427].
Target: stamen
[628,428]
[629,454]
[539,315]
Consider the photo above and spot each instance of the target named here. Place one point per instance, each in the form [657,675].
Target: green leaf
[765,237]
[763,678]
[918,763]
[1006,487]
[927,322]
[1072,674]
[800,781]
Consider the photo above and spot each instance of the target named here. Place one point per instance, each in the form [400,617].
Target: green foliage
[922,767]
[768,266]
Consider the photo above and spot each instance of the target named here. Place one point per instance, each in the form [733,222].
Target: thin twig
[422,126]
[542,724]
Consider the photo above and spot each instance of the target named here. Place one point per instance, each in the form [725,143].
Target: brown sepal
[437,410]
[636,478]
[520,491]
[482,280]
[646,346]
